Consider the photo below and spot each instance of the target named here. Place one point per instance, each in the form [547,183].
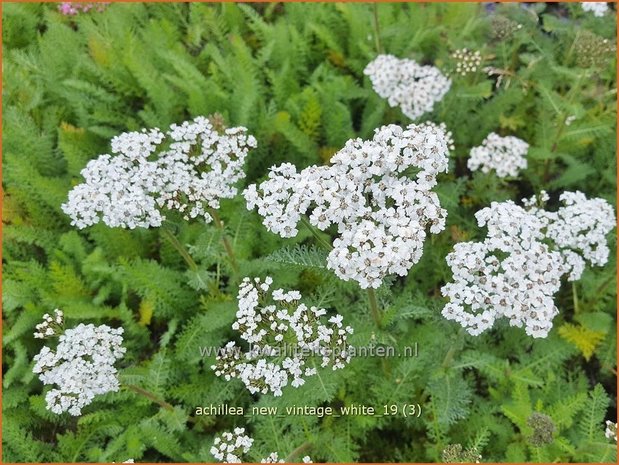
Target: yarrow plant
[598,9]
[284,338]
[232,446]
[189,169]
[516,270]
[505,155]
[380,212]
[413,87]
[82,366]
[467,61]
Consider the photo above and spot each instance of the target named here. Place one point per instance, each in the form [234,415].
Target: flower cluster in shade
[51,326]
[517,269]
[377,194]
[598,9]
[611,430]
[467,61]
[188,169]
[81,367]
[406,84]
[287,339]
[74,8]
[232,446]
[504,155]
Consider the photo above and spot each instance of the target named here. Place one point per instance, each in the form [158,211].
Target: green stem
[311,228]
[180,248]
[575,298]
[452,351]
[224,239]
[150,396]
[379,47]
[298,451]
[374,306]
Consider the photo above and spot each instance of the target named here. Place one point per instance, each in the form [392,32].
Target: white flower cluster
[505,155]
[273,457]
[82,366]
[381,213]
[405,83]
[283,338]
[51,325]
[230,447]
[611,430]
[517,269]
[467,61]
[598,9]
[195,168]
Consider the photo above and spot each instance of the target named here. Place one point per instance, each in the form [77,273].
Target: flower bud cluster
[505,155]
[381,214]
[51,325]
[194,168]
[467,61]
[231,446]
[503,28]
[455,453]
[517,269]
[285,337]
[405,83]
[82,366]
[592,50]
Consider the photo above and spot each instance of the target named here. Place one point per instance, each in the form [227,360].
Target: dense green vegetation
[293,75]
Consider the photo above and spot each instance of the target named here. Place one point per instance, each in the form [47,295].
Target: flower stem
[374,306]
[149,395]
[379,47]
[575,298]
[311,228]
[180,248]
[447,361]
[225,240]
[298,451]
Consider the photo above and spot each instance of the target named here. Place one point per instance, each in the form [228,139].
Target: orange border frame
[262,1]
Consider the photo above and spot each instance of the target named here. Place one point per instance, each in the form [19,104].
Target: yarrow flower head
[611,430]
[51,325]
[454,453]
[505,155]
[74,8]
[467,61]
[232,446]
[188,169]
[381,214]
[592,50]
[543,429]
[229,447]
[503,28]
[598,9]
[516,270]
[413,87]
[82,366]
[283,337]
